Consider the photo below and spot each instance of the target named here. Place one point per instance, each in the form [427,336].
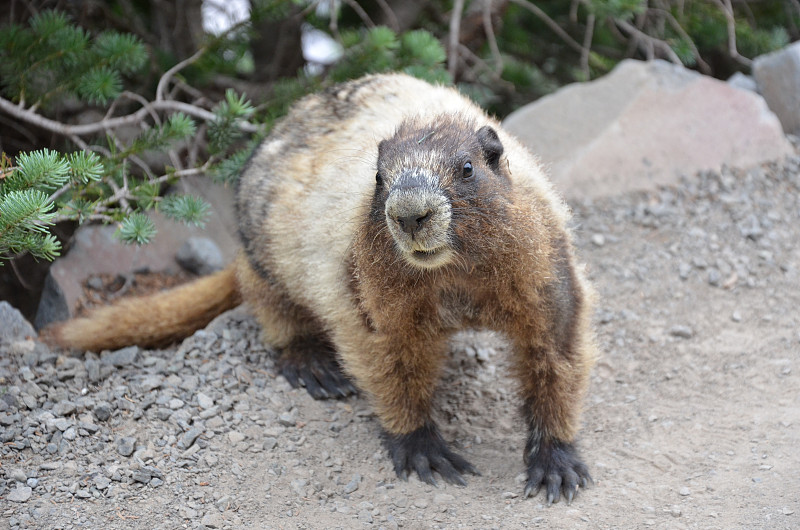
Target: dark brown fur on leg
[404,391]
[553,376]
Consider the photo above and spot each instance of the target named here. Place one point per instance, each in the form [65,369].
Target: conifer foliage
[104,178]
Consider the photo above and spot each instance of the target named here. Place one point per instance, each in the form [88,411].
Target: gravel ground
[692,419]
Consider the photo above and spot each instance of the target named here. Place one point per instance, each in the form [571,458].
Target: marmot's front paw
[557,466]
[425,451]
[313,364]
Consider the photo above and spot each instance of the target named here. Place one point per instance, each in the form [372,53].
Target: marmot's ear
[491,145]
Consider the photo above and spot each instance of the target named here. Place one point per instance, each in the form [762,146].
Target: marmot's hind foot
[312,363]
[556,466]
[425,451]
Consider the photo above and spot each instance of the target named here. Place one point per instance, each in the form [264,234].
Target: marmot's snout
[411,224]
[418,216]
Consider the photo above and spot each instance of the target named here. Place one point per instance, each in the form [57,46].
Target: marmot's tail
[152,320]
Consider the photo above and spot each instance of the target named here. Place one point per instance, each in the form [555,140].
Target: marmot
[378,218]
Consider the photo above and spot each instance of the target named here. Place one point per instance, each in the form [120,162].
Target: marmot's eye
[378,178]
[467,171]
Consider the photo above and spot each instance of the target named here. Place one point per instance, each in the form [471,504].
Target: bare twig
[727,9]
[550,23]
[19,275]
[93,217]
[112,123]
[573,11]
[477,61]
[701,64]
[333,26]
[139,99]
[490,37]
[164,81]
[650,42]
[392,18]
[587,47]
[361,13]
[454,38]
[121,195]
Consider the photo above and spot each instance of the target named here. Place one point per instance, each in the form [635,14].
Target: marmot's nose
[411,224]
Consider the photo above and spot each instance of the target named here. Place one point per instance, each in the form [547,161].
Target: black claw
[553,488]
[426,452]
[569,494]
[557,467]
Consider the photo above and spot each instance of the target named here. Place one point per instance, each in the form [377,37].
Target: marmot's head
[437,181]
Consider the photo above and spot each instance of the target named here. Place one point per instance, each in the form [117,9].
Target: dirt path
[692,419]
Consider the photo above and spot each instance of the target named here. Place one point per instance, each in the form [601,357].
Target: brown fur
[459,228]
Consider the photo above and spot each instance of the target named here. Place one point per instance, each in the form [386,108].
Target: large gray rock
[643,125]
[742,82]
[95,250]
[778,77]
[200,255]
[13,326]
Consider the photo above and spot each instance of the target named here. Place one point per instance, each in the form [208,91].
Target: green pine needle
[25,210]
[43,169]
[187,208]
[99,85]
[120,51]
[85,166]
[137,228]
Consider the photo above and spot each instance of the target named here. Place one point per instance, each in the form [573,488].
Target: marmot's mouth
[422,254]
[430,259]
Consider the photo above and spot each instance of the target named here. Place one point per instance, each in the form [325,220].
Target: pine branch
[63,129]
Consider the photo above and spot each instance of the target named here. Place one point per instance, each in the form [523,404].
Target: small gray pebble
[213,519]
[683,332]
[70,434]
[19,494]
[92,367]
[353,484]
[152,382]
[142,476]
[17,475]
[126,445]
[204,401]
[103,410]
[64,408]
[121,358]
[189,437]
[287,419]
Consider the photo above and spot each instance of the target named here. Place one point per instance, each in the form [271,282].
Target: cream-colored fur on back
[153,320]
